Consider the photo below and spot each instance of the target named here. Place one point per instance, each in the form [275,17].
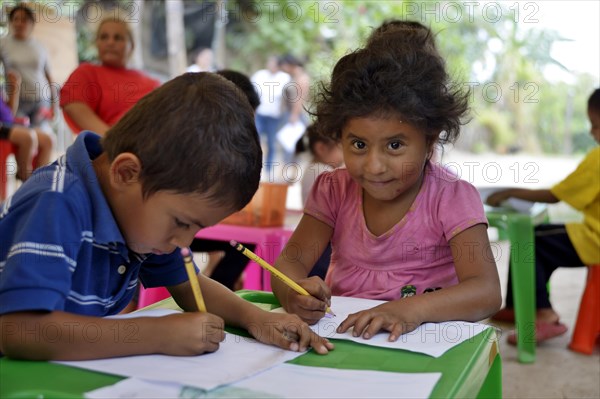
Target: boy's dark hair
[194,134]
[594,101]
[22,7]
[244,84]
[393,78]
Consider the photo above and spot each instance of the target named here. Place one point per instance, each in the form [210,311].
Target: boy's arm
[219,300]
[59,335]
[543,195]
[300,254]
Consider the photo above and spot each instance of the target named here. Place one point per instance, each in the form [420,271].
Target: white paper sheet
[237,358]
[433,339]
[290,381]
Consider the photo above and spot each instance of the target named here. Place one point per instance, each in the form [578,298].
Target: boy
[573,244]
[77,234]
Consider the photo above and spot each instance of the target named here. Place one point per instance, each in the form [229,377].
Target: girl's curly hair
[395,75]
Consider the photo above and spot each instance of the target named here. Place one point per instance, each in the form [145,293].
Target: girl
[399,225]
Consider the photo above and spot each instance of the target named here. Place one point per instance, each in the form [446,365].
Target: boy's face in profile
[164,221]
[594,117]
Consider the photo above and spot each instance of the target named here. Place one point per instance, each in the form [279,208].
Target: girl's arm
[66,336]
[85,117]
[301,252]
[476,296]
[544,196]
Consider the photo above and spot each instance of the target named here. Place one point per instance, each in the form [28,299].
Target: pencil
[288,281]
[191,271]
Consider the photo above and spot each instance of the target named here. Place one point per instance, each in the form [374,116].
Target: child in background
[326,156]
[78,234]
[573,244]
[29,142]
[401,228]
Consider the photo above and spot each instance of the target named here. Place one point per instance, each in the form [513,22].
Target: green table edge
[479,377]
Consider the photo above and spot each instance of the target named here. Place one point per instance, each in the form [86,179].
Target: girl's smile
[385,156]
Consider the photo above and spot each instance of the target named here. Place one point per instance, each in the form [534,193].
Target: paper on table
[432,339]
[290,381]
[237,358]
[293,381]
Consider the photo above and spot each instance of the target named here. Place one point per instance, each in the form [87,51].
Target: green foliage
[494,55]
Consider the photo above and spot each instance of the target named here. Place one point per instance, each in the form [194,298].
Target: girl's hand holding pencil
[310,308]
[309,298]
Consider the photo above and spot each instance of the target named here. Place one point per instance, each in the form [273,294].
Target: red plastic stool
[148,296]
[587,327]
[6,148]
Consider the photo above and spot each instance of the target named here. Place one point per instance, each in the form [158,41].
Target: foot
[543,331]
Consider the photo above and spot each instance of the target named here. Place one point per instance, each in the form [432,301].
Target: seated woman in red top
[95,97]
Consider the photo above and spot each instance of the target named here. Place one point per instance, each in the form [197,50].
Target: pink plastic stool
[148,296]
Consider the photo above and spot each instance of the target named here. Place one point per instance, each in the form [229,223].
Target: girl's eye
[359,145]
[395,145]
[181,225]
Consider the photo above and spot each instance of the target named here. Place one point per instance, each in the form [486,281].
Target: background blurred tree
[486,45]
[488,48]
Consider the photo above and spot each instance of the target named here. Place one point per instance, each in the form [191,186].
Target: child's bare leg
[26,141]
[46,142]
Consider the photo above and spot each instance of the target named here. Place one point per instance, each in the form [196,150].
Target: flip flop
[543,332]
[505,315]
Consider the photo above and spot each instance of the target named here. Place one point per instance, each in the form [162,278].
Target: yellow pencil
[288,281]
[191,271]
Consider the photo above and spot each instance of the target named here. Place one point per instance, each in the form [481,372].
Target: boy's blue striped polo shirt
[61,249]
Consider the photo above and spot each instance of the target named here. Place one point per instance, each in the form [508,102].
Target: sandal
[543,332]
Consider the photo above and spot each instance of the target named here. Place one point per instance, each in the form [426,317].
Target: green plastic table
[518,228]
[471,369]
